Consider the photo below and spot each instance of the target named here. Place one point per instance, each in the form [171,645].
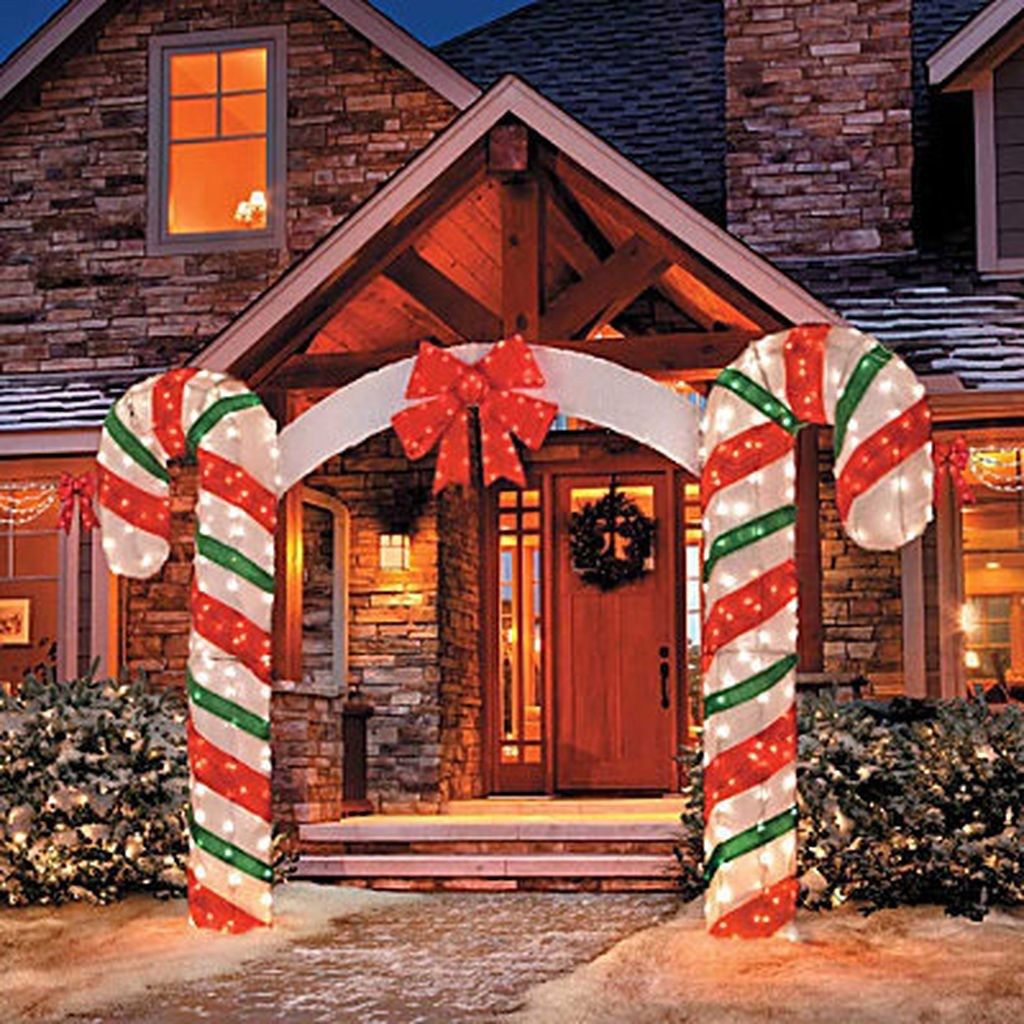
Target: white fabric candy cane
[226,428]
[813,374]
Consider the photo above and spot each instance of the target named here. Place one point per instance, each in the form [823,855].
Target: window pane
[193,119]
[244,115]
[243,70]
[217,186]
[193,74]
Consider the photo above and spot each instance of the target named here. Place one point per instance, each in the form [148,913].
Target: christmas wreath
[592,547]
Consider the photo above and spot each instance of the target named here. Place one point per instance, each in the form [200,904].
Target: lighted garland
[225,427]
[883,468]
[592,547]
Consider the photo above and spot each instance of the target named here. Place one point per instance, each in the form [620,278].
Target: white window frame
[159,241]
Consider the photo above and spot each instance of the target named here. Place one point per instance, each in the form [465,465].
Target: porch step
[552,871]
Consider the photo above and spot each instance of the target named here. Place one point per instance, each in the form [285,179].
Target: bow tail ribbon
[80,489]
[504,416]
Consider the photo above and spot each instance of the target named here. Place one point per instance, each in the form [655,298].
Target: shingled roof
[649,77]
[645,75]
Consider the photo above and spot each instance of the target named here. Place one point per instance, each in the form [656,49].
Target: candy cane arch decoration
[808,375]
[225,427]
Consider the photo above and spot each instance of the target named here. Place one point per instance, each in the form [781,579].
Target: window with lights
[217,141]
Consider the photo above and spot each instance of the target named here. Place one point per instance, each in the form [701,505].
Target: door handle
[664,670]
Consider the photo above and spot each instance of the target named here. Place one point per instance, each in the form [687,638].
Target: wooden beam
[618,280]
[522,257]
[508,149]
[302,323]
[580,224]
[660,355]
[736,306]
[443,297]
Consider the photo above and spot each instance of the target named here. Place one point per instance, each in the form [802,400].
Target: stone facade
[818,121]
[78,291]
[862,609]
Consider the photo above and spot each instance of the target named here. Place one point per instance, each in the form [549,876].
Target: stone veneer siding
[77,289]
[861,600]
[818,122]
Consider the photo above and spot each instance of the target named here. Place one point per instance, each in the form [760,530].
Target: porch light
[968,618]
[972,660]
[394,551]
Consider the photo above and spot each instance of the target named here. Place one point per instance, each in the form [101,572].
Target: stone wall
[459,611]
[393,620]
[861,603]
[78,291]
[818,120]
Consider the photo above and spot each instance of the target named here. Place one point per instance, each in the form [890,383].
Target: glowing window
[217,101]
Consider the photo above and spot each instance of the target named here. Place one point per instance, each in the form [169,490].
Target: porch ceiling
[608,279]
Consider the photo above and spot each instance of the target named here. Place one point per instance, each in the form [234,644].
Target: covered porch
[489,667]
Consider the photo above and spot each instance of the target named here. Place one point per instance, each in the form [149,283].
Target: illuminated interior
[519,622]
[692,549]
[218,142]
[993,560]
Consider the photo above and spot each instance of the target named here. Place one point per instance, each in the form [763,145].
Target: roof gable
[393,40]
[969,44]
[511,96]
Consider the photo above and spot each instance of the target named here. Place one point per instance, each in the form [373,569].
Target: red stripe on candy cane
[762,916]
[232,633]
[881,453]
[742,455]
[232,779]
[141,509]
[233,484]
[750,763]
[208,910]
[747,608]
[168,397]
[804,355]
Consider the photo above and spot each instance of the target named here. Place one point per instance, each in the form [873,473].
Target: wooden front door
[615,652]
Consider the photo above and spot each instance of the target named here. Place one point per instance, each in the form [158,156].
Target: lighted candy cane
[883,469]
[225,427]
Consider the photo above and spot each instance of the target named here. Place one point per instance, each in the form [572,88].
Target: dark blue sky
[432,20]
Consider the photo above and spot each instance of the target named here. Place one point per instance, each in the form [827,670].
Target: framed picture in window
[14,621]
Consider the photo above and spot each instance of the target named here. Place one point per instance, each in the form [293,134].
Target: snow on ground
[894,967]
[55,961]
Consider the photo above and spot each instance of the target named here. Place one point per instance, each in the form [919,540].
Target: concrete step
[449,829]
[487,866]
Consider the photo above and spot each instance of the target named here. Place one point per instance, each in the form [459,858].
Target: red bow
[452,388]
[81,488]
[952,460]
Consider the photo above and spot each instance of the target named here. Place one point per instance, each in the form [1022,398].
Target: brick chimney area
[818,100]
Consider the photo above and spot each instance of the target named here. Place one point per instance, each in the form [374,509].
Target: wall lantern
[394,551]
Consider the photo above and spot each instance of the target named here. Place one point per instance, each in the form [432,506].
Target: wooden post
[355,714]
[522,257]
[808,552]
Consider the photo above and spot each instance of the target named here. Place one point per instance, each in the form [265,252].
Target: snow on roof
[35,403]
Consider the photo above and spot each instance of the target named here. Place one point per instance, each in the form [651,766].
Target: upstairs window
[217,135]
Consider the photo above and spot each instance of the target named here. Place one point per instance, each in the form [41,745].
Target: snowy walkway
[448,958]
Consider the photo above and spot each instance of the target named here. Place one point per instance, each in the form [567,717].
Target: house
[299,192]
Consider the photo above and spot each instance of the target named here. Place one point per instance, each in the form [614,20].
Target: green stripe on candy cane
[255,725]
[234,561]
[760,682]
[760,398]
[748,533]
[867,369]
[209,419]
[134,448]
[228,852]
[756,836]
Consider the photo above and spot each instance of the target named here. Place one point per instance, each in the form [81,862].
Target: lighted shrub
[93,791]
[903,802]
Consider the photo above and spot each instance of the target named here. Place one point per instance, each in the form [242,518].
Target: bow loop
[451,388]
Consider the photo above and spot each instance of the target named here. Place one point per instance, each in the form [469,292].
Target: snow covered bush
[901,802]
[93,791]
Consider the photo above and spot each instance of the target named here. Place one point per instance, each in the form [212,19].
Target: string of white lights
[24,501]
